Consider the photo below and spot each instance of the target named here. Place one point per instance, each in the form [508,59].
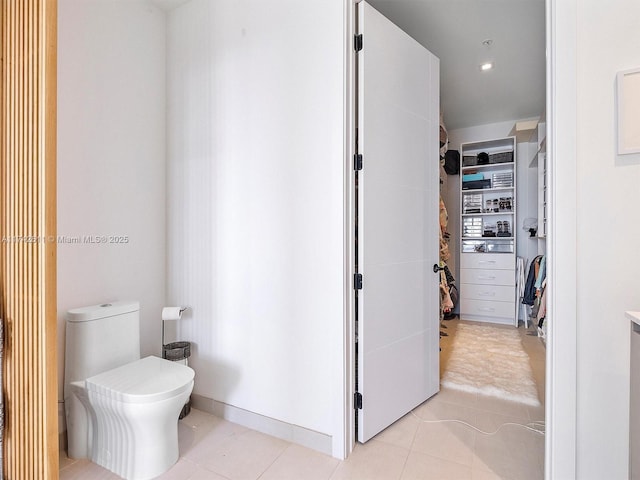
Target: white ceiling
[454,30]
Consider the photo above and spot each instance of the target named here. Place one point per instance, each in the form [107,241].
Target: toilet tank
[101,337]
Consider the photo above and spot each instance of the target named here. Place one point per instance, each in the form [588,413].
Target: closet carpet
[490,360]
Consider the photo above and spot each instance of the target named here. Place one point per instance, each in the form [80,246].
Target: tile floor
[415,447]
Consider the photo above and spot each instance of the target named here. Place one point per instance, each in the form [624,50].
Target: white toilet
[122,411]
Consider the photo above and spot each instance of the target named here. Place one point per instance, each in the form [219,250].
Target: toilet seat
[147,380]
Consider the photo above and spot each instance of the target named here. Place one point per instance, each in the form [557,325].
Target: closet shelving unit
[488,227]
[539,161]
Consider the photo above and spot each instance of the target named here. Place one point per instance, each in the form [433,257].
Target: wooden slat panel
[28,230]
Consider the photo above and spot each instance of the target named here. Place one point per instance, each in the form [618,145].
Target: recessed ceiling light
[486,66]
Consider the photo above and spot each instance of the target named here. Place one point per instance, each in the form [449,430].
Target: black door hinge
[357,161]
[357,281]
[357,400]
[357,42]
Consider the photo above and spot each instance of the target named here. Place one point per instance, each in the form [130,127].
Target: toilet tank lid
[104,310]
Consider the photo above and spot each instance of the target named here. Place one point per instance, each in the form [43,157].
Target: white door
[397,241]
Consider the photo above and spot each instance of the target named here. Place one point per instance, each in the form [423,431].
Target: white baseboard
[321,442]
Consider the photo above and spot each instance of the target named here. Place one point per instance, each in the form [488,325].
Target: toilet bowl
[136,410]
[122,411]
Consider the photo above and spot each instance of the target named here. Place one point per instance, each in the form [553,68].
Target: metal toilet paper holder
[174,351]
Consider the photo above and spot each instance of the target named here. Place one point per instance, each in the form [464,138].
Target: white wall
[479,132]
[111,158]
[608,258]
[255,204]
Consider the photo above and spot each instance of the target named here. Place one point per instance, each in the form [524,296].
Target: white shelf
[489,166]
[482,190]
[488,238]
[487,214]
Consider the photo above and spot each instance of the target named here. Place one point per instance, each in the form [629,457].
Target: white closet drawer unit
[487,308]
[489,261]
[494,293]
[488,277]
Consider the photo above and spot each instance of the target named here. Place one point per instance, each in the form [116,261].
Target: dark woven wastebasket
[177,351]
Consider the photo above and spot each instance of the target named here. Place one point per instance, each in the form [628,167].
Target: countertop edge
[634,317]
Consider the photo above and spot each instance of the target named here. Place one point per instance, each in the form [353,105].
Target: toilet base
[186,409]
[136,441]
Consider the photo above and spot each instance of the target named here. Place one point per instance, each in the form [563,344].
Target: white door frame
[350,7]
[561,361]
[561,353]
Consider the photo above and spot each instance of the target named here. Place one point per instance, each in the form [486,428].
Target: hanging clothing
[446,304]
[444,216]
[542,274]
[530,285]
[542,308]
[447,273]
[444,236]
[448,298]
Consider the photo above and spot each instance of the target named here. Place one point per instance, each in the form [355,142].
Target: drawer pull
[488,262]
[487,294]
[487,309]
[486,277]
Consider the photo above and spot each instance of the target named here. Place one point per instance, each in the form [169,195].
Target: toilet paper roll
[172,313]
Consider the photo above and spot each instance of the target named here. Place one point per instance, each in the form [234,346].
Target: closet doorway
[413,18]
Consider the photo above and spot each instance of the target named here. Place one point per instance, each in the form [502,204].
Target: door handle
[486,309]
[487,294]
[437,268]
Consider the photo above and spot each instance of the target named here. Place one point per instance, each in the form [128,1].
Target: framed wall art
[628,84]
